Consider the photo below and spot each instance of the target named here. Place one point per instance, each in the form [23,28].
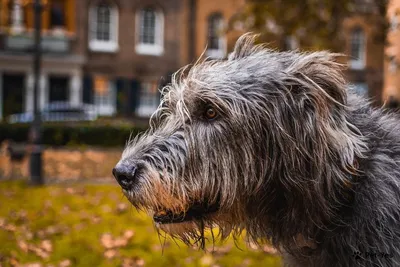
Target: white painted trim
[156,49]
[75,89]
[29,80]
[43,91]
[146,49]
[99,45]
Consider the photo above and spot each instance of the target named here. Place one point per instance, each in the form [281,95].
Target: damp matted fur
[292,157]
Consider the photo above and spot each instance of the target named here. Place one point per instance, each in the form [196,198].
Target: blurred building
[115,54]
[63,61]
[391,89]
[131,48]
[360,32]
[365,50]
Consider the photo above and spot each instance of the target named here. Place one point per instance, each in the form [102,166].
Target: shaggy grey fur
[292,157]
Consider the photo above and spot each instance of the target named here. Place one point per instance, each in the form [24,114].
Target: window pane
[357,44]
[103,23]
[149,94]
[148,27]
[214,31]
[102,92]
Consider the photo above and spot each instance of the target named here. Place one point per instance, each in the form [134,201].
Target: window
[57,17]
[104,97]
[357,52]
[101,91]
[150,32]
[149,99]
[394,22]
[215,39]
[103,28]
[392,64]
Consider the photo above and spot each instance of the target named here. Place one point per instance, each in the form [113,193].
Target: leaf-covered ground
[93,225]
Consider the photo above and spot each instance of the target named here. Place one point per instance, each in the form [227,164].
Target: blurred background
[78,77]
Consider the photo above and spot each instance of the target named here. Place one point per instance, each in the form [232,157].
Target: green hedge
[74,135]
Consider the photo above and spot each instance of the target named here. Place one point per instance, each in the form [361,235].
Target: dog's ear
[317,77]
[316,89]
[244,46]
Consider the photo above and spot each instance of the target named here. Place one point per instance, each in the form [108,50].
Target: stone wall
[64,164]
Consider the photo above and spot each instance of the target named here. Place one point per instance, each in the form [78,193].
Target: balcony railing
[25,42]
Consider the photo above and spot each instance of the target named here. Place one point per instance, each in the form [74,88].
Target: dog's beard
[173,210]
[197,233]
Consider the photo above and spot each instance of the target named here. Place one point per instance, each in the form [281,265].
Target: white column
[75,89]
[1,96]
[44,91]
[29,92]
[113,96]
[17,17]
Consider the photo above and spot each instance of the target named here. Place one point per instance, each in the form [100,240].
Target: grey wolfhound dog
[274,144]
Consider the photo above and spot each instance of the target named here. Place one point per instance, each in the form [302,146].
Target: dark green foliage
[61,135]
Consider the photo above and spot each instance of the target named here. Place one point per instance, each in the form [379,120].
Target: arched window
[150,31]
[216,44]
[357,52]
[103,27]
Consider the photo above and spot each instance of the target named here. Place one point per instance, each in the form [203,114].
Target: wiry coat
[293,157]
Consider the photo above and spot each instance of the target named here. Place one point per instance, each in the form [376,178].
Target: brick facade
[372,73]
[205,8]
[370,76]
[391,89]
[127,75]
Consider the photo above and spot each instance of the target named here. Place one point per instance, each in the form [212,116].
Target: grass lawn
[93,225]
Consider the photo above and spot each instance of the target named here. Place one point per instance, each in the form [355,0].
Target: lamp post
[36,131]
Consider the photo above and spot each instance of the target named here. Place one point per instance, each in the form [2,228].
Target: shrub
[72,135]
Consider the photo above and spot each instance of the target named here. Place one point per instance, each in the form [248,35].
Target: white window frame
[101,45]
[221,52]
[358,63]
[149,101]
[156,49]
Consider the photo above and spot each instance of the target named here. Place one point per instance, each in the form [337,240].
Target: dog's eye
[210,113]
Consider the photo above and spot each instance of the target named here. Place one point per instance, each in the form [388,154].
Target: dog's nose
[125,175]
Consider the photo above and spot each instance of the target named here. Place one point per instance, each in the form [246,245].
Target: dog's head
[232,136]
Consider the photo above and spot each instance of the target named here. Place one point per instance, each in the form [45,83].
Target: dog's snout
[125,175]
